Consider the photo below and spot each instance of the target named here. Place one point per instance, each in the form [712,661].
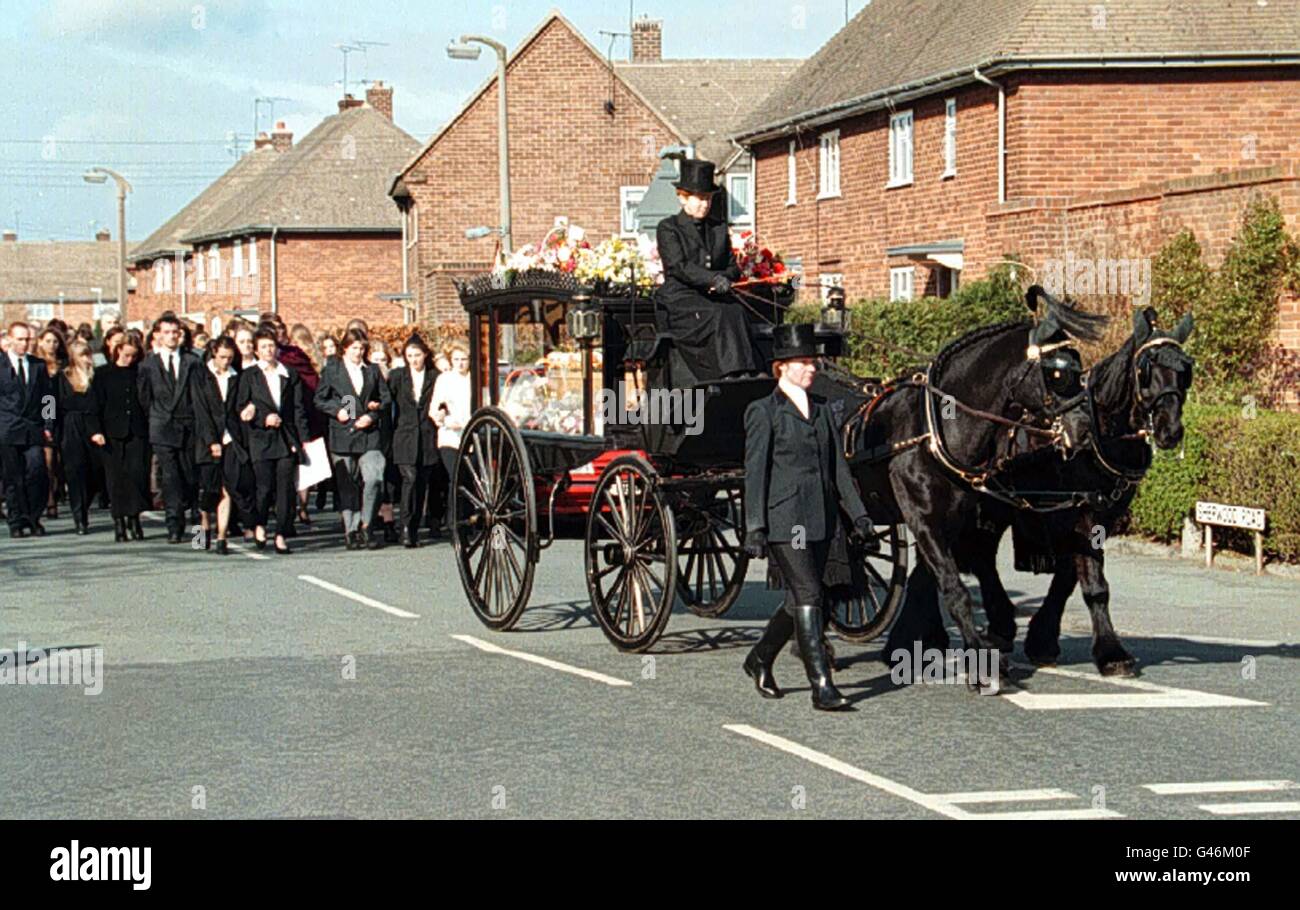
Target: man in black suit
[709,328]
[796,481]
[164,394]
[27,417]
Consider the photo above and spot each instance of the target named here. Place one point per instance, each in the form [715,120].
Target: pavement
[331,684]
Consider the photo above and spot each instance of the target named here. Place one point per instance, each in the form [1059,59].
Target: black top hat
[790,340]
[697,177]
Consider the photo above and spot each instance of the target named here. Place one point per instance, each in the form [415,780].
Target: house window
[739,210]
[158,275]
[828,280]
[237,265]
[167,275]
[900,283]
[200,280]
[99,309]
[252,255]
[946,281]
[950,138]
[829,165]
[791,177]
[900,149]
[40,312]
[629,197]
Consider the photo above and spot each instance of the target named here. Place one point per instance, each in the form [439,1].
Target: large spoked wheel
[494,518]
[711,557]
[880,575]
[631,554]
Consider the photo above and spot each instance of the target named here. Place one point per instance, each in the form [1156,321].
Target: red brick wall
[221,293]
[567,157]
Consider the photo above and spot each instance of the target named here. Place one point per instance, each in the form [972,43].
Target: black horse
[923,449]
[1134,394]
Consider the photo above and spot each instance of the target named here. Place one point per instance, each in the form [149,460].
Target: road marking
[1211,640]
[1223,786]
[242,551]
[541,661]
[1249,808]
[1147,695]
[1005,796]
[359,598]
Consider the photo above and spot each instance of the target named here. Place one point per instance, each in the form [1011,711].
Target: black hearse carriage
[586,426]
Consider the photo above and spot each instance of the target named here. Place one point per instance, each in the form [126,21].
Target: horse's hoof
[1123,667]
[1043,661]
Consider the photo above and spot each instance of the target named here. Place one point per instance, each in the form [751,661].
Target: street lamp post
[100,175]
[464,50]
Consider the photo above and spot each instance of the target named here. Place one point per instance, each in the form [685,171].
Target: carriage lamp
[833,312]
[583,319]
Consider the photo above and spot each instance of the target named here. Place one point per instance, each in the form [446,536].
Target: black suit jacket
[335,391]
[23,413]
[693,258]
[167,400]
[795,472]
[121,415]
[267,443]
[415,435]
[214,418]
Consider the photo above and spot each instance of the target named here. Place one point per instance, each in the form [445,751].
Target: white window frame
[828,165]
[901,151]
[40,312]
[237,259]
[828,280]
[214,267]
[949,139]
[792,175]
[252,255]
[747,218]
[902,283]
[625,194]
[167,275]
[98,309]
[950,277]
[200,276]
[158,275]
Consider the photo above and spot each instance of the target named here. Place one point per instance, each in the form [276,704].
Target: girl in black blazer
[220,456]
[78,414]
[269,401]
[415,435]
[123,436]
[796,482]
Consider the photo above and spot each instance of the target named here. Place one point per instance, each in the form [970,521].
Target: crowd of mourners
[211,430]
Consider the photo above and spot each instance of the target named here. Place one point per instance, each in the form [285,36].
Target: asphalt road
[332,684]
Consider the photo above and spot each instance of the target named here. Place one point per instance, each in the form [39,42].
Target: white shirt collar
[795,394]
[279,369]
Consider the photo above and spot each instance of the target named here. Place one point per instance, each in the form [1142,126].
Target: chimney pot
[380,97]
[11,236]
[262,141]
[647,40]
[348,101]
[103,235]
[281,138]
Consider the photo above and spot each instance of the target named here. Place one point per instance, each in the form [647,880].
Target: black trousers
[26,483]
[439,481]
[277,483]
[417,487]
[448,456]
[801,571]
[79,460]
[176,476]
[126,469]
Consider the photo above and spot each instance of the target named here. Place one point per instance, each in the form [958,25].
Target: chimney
[11,237]
[647,40]
[380,97]
[103,235]
[347,101]
[262,141]
[281,138]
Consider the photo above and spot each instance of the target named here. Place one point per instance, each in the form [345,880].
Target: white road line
[541,661]
[1250,808]
[243,551]
[359,598]
[1005,796]
[1146,695]
[1048,815]
[1223,786]
[1212,640]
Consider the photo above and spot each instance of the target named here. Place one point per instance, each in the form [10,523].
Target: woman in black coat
[354,395]
[269,400]
[123,436]
[220,456]
[78,414]
[796,482]
[415,435]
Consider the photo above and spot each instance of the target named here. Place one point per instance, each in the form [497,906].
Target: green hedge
[1254,461]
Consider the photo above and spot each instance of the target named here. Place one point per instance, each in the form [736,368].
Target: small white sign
[1214,513]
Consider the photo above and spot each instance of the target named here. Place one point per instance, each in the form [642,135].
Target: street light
[101,175]
[464,50]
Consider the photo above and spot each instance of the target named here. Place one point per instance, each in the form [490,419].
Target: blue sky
[157,88]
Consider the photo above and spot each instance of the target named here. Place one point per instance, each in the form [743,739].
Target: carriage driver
[708,326]
[796,480]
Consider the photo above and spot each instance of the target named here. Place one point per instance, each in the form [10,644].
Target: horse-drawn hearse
[585,426]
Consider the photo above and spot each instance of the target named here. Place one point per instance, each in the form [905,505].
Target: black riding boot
[808,629]
[758,664]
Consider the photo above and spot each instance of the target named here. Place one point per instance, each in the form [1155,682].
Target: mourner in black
[164,392]
[415,435]
[123,436]
[78,422]
[220,454]
[709,327]
[796,482]
[27,423]
[352,394]
[269,401]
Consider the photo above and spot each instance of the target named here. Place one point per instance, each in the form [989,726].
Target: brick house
[929,139]
[306,230]
[586,133]
[72,280]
